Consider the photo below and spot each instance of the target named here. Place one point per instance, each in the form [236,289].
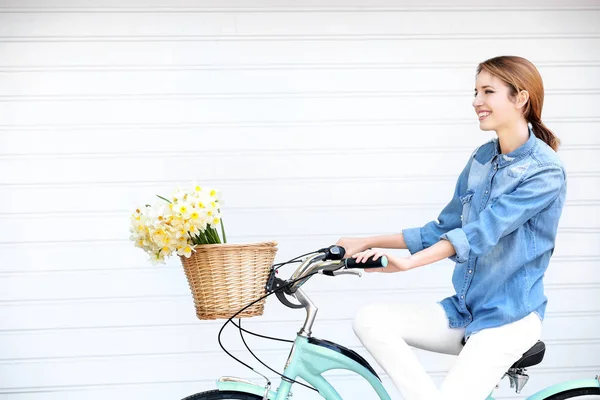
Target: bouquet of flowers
[190,217]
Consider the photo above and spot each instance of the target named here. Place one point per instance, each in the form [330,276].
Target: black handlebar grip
[381,262]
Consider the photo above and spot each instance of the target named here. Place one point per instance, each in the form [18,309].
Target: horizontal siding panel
[575,243]
[189,366]
[292,52]
[370,107]
[82,313]
[171,281]
[268,223]
[204,166]
[183,338]
[223,82]
[399,135]
[198,166]
[140,6]
[293,23]
[431,191]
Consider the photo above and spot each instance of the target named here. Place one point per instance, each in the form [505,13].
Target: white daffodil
[176,223]
[156,258]
[215,221]
[201,224]
[194,217]
[196,188]
[183,209]
[185,251]
[179,195]
[180,232]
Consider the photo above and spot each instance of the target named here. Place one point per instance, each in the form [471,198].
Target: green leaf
[203,238]
[211,235]
[160,197]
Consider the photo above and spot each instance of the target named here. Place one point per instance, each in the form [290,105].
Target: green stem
[214,235]
[204,239]
[223,231]
[208,236]
[160,197]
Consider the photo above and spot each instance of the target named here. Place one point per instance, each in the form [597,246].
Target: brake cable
[230,320]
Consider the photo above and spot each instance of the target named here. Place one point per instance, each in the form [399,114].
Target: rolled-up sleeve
[417,239]
[510,211]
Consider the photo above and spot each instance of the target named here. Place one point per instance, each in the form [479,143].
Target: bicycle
[310,357]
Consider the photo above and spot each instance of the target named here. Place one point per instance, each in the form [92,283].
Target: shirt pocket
[466,200]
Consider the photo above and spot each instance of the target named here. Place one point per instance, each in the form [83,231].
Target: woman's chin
[484,126]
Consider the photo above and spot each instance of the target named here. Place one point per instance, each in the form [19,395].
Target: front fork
[230,383]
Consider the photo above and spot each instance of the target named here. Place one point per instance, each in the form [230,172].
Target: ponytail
[541,131]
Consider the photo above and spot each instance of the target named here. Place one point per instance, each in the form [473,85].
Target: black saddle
[532,357]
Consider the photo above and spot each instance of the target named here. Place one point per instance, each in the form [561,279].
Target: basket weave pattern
[225,278]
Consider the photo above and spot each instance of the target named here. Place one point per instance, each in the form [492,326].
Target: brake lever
[279,286]
[342,272]
[281,296]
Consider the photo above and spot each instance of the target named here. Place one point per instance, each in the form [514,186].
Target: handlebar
[328,261]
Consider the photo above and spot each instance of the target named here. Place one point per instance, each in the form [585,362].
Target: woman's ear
[522,99]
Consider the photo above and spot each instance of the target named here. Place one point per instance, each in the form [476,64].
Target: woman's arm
[357,245]
[439,251]
[395,241]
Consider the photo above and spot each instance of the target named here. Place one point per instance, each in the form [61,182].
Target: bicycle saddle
[532,357]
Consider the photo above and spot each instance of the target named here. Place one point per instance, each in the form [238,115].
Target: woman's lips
[483,114]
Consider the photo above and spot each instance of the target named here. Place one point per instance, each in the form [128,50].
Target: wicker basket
[224,278]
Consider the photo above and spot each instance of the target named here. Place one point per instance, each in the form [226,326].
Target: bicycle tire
[571,393]
[222,395]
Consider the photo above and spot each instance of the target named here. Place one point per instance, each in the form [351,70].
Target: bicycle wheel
[591,393]
[218,395]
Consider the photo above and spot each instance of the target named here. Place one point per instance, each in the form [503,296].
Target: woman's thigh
[424,326]
[487,355]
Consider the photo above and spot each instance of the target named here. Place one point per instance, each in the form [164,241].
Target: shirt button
[486,192]
[470,271]
[462,297]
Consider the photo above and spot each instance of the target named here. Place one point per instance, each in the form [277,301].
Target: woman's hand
[395,264]
[352,245]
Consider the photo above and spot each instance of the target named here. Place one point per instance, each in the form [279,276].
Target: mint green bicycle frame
[308,361]
[310,357]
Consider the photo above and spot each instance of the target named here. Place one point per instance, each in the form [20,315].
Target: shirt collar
[517,154]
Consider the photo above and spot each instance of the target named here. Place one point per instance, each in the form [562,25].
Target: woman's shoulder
[545,161]
[544,156]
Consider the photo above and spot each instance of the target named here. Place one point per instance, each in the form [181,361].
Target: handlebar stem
[311,313]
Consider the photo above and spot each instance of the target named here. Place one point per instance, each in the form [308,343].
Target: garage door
[315,119]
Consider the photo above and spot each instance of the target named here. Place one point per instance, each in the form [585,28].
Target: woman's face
[492,104]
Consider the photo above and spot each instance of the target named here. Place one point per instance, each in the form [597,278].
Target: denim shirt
[502,222]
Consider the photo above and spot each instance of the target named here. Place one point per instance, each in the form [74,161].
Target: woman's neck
[514,137]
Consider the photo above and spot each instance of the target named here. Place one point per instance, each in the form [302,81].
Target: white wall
[316,119]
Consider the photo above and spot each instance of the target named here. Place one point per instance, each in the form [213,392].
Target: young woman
[499,228]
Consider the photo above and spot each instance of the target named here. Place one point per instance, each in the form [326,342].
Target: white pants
[387,331]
